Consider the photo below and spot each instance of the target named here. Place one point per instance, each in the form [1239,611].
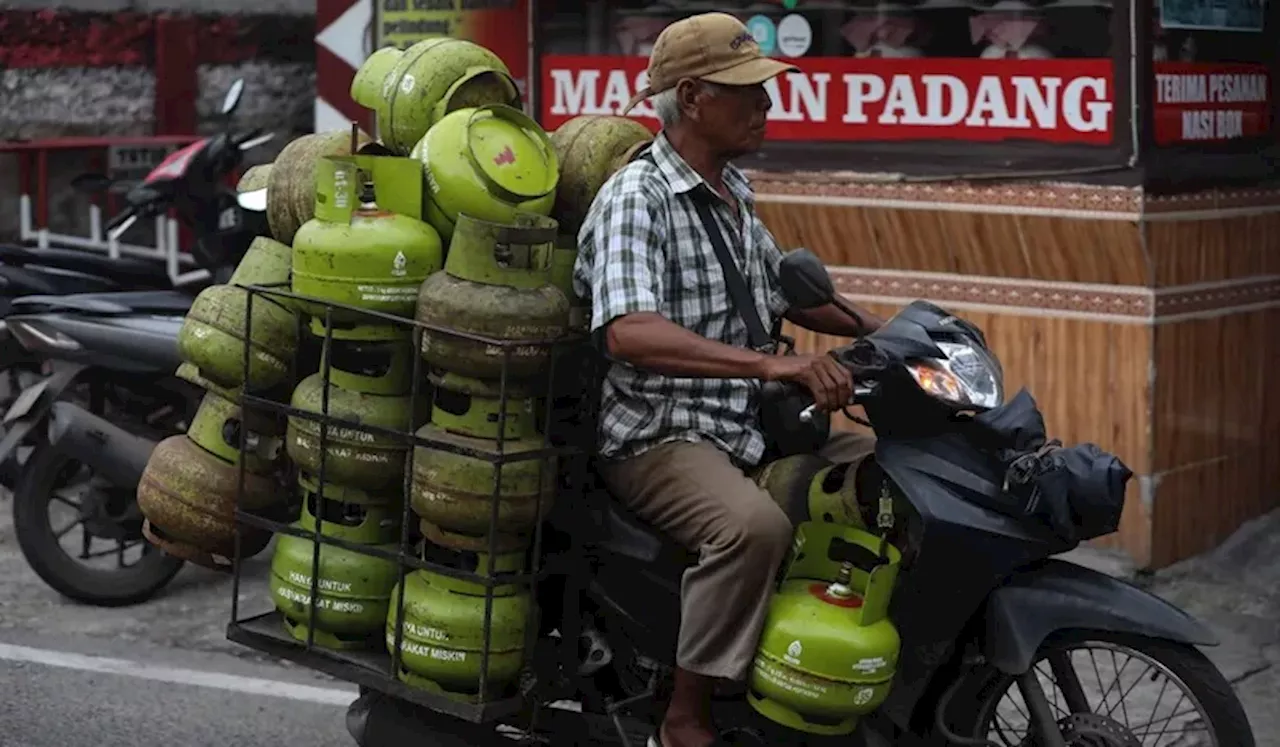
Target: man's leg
[848,447]
[694,493]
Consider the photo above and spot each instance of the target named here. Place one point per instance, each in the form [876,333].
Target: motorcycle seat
[162,302]
[628,535]
[128,269]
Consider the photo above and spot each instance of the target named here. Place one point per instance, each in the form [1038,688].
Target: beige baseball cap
[714,47]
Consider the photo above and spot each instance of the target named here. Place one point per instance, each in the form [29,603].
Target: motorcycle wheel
[984,707]
[33,497]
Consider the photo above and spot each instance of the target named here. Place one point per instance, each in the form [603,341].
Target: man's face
[730,118]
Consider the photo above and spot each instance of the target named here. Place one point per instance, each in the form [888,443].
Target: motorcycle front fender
[32,407]
[1057,595]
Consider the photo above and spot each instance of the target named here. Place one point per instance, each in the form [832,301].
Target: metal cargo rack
[374,668]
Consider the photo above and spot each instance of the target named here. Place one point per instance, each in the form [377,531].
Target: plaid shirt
[643,248]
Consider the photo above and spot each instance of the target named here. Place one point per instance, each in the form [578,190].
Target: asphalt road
[159,674]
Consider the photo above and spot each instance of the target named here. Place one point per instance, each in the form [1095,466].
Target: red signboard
[1199,102]
[839,98]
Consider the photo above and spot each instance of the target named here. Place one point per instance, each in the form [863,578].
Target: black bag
[780,405]
[1077,491]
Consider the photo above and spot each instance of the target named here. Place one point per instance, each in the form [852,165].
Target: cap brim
[751,72]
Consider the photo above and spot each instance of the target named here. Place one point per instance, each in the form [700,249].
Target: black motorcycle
[1002,645]
[109,390]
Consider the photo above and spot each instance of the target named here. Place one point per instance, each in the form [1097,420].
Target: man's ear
[687,91]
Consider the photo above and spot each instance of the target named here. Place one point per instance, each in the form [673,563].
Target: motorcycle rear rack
[369,668]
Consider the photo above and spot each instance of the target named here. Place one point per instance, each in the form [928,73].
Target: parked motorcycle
[116,354]
[998,643]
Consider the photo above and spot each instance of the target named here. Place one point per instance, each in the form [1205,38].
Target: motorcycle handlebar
[860,392]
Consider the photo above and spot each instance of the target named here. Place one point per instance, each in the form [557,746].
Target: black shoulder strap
[738,292]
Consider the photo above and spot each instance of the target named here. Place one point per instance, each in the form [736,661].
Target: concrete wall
[85,69]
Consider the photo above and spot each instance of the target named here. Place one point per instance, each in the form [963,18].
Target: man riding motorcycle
[679,422]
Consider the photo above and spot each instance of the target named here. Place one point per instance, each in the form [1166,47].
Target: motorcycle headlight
[966,376]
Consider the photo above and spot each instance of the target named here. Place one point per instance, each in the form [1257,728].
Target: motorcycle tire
[967,714]
[39,545]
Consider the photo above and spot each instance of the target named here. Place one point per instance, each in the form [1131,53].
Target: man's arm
[627,280]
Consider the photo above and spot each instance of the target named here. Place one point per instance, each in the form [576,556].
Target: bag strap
[739,295]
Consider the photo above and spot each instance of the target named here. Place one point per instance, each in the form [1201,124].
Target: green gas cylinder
[590,149]
[444,632]
[495,285]
[809,487]
[452,493]
[828,652]
[473,407]
[266,262]
[188,497]
[369,359]
[217,426]
[214,333]
[353,589]
[413,89]
[355,457]
[375,262]
[291,185]
[488,162]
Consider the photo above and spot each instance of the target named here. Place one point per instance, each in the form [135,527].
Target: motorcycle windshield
[176,165]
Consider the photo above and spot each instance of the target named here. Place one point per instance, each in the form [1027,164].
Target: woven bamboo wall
[1146,326]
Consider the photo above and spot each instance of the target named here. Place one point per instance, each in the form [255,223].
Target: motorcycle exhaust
[114,453]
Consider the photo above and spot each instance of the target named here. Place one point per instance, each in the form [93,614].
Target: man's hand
[830,383]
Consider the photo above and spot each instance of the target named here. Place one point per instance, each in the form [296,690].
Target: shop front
[1088,181]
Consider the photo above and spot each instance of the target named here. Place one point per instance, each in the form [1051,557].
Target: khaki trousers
[697,496]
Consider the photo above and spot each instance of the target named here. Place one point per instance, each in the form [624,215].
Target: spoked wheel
[1108,691]
[83,536]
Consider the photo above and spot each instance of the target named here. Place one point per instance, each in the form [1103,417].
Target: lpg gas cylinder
[591,148]
[453,493]
[188,497]
[353,457]
[214,333]
[413,89]
[267,263]
[254,178]
[809,487]
[474,407]
[353,588]
[369,359]
[489,162]
[828,652]
[217,428]
[495,285]
[375,262]
[444,631]
[291,186]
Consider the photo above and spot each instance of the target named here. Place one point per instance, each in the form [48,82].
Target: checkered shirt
[643,248]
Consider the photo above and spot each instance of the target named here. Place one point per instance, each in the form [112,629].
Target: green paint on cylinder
[489,162]
[591,149]
[828,652]
[414,89]
[473,407]
[353,590]
[213,338]
[216,428]
[354,457]
[375,262]
[444,632]
[454,491]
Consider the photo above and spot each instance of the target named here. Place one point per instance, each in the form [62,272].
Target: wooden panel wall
[1093,314]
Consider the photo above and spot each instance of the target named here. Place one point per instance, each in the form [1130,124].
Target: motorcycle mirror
[804,280]
[255,200]
[91,183]
[232,100]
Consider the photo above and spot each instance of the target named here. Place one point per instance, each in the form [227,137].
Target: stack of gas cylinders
[445,249]
[188,491]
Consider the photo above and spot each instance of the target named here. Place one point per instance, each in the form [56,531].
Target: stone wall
[86,68]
